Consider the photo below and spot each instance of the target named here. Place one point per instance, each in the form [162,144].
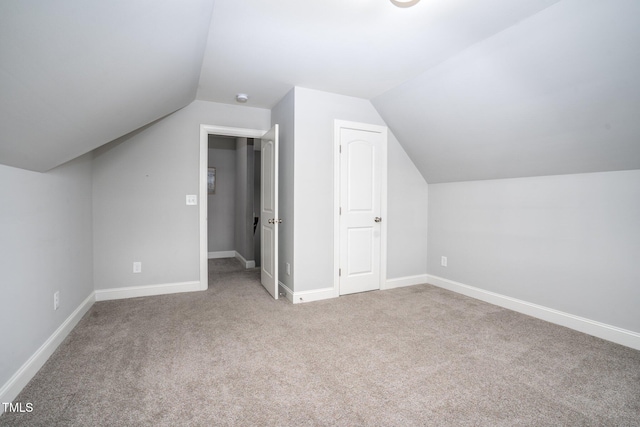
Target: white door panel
[269,212]
[267,238]
[359,261]
[361,179]
[362,155]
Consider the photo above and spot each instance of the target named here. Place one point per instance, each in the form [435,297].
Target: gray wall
[139,189]
[46,246]
[569,242]
[257,169]
[282,114]
[244,198]
[315,113]
[407,199]
[221,206]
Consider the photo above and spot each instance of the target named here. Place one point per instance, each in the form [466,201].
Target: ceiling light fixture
[404,3]
[242,97]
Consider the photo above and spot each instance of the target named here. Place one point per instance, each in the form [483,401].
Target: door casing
[205,131]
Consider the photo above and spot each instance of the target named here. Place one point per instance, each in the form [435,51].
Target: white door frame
[337,125]
[205,131]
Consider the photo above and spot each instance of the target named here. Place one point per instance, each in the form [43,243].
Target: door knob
[377,219]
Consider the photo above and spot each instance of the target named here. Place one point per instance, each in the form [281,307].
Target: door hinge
[340,210]
[339,272]
[340,148]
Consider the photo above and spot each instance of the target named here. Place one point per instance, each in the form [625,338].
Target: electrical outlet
[56,300]
[137,267]
[443,261]
[288,269]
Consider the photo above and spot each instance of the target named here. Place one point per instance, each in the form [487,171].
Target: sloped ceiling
[558,93]
[472,89]
[76,74]
[360,48]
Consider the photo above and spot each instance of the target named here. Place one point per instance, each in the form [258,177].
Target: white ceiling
[360,48]
[472,89]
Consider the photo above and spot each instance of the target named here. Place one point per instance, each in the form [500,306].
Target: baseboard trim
[581,324]
[247,264]
[284,289]
[406,281]
[232,254]
[307,296]
[30,368]
[148,290]
[221,254]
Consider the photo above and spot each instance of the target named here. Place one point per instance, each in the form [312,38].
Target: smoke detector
[242,97]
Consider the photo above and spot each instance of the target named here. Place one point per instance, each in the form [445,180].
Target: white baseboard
[30,368]
[327,293]
[284,289]
[221,254]
[247,264]
[232,254]
[406,281]
[307,296]
[581,324]
[148,290]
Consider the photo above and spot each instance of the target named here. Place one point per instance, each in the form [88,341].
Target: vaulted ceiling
[472,89]
[76,74]
[557,93]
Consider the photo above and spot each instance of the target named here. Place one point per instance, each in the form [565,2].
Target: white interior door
[269,212]
[362,157]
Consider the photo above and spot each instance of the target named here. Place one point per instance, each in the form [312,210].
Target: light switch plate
[192,199]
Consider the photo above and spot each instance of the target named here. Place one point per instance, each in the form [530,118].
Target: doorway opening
[268,222]
[233,201]
[205,131]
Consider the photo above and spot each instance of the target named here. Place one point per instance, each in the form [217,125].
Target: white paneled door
[269,220]
[362,159]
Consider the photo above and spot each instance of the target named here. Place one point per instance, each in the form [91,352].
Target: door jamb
[337,125]
[205,131]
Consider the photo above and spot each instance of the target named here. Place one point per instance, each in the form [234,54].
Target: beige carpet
[405,357]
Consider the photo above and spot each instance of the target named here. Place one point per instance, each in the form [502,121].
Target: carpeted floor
[410,356]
